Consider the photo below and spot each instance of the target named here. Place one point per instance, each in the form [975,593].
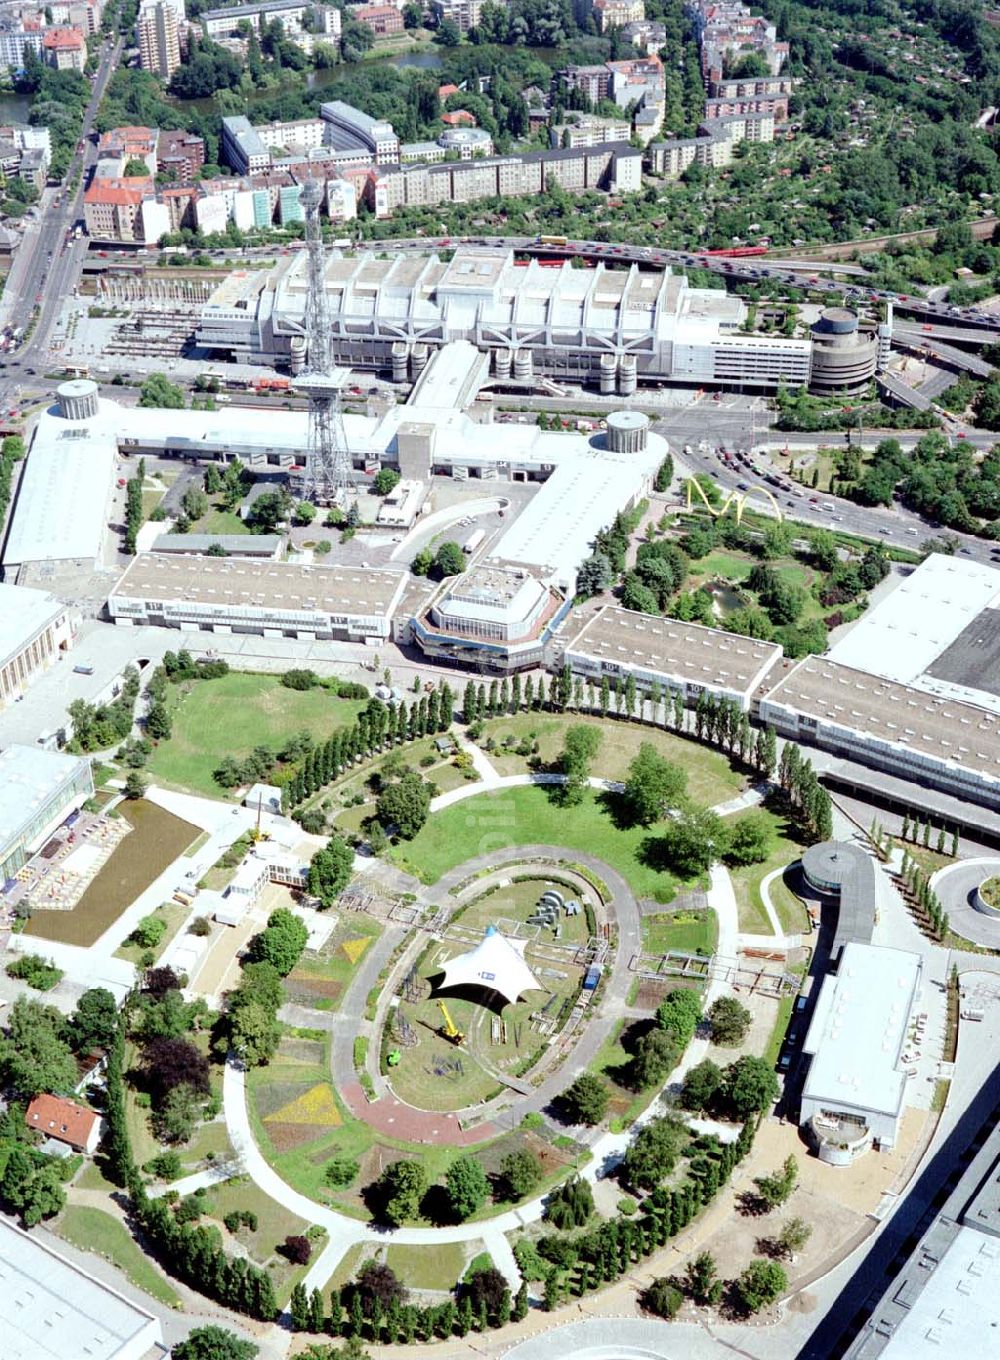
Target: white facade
[154,221]
[34,629]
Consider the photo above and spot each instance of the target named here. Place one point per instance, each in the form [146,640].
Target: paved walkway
[519,781]
[955,886]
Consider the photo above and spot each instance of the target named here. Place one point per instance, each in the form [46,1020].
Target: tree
[194,502]
[135,785]
[701,1278]
[385,480]
[34,1055]
[654,785]
[297,1249]
[570,1205]
[730,1021]
[254,1033]
[750,1086]
[158,391]
[794,1234]
[405,805]
[750,839]
[449,559]
[520,1172]
[401,1187]
[305,512]
[774,1189]
[585,1101]
[92,1024]
[653,1059]
[760,1284]
[467,1186]
[282,943]
[653,1153]
[269,510]
[678,1014]
[213,1343]
[662,1297]
[158,724]
[580,745]
[692,841]
[43,1196]
[330,871]
[595,574]
[701,1085]
[375,1284]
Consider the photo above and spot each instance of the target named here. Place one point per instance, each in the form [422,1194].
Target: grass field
[522,816]
[94,1230]
[786,846]
[690,932]
[157,839]
[174,914]
[711,779]
[233,714]
[439,1269]
[790,908]
[220,522]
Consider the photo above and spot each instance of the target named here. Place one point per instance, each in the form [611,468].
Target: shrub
[201,926]
[340,1172]
[42,974]
[297,1249]
[662,1298]
[166,1165]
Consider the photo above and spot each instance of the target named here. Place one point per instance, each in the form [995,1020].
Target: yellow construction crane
[449,1029]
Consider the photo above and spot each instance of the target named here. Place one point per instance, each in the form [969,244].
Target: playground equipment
[449,1029]
[403,1030]
[393,1058]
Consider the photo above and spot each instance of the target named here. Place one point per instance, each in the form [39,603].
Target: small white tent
[497,963]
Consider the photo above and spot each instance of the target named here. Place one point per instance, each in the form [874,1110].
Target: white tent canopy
[497,963]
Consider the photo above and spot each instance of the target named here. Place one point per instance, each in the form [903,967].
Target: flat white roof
[908,630]
[555,530]
[51,1309]
[957,1312]
[23,614]
[62,503]
[858,1029]
[28,776]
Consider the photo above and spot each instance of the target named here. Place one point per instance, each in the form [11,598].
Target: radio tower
[328,462]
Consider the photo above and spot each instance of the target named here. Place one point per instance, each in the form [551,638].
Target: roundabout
[958,886]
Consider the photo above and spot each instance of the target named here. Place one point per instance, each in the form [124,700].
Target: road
[54,265]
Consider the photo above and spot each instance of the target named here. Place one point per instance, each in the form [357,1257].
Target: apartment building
[14,42]
[125,144]
[64,49]
[82,14]
[610,14]
[464,14]
[592,81]
[225,23]
[159,26]
[385,21]
[111,207]
[242,146]
[180,153]
[349,128]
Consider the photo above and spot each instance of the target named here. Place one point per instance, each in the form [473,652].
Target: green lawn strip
[231,715]
[711,779]
[220,522]
[791,909]
[524,816]
[92,1178]
[175,914]
[689,932]
[94,1230]
[770,1054]
[439,1268]
[195,846]
[335,798]
[786,847]
[348,1265]
[209,1138]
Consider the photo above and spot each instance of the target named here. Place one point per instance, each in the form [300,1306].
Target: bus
[552,241]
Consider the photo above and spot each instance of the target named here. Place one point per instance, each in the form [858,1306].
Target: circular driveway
[955,887]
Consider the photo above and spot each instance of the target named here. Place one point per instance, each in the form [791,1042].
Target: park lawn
[208,1138]
[94,1230]
[349,1265]
[786,847]
[175,915]
[711,778]
[687,931]
[625,1105]
[790,908]
[231,715]
[220,522]
[274,1221]
[781,1019]
[527,816]
[440,1268]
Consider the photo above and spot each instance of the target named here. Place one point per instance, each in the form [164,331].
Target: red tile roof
[63,1119]
[69,39]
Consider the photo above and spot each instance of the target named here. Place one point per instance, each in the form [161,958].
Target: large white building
[682,658]
[938,630]
[51,1309]
[579,324]
[38,790]
[855,1087]
[35,629]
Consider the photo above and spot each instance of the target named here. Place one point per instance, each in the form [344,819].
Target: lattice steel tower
[327,477]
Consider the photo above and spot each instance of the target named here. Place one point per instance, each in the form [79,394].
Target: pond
[13,107]
[156,839]
[725,597]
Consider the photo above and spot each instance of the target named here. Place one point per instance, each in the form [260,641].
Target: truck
[473,542]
